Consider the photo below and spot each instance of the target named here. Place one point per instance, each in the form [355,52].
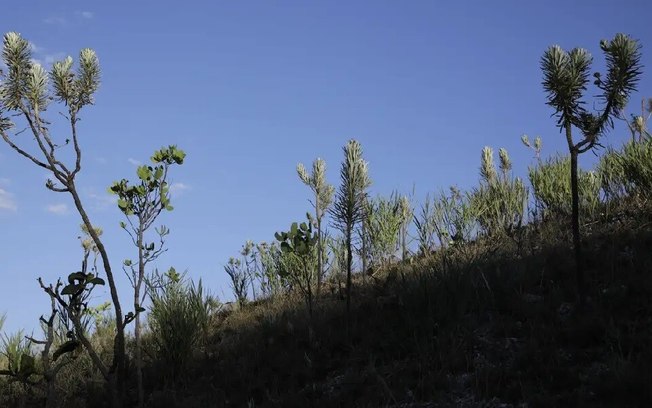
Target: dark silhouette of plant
[566,74]
[239,280]
[349,207]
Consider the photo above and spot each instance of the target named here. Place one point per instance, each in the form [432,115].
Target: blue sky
[249,89]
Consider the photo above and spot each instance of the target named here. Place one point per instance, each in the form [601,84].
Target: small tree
[323,197]
[566,74]
[141,204]
[25,93]
[348,209]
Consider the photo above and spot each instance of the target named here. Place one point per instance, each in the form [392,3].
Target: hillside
[491,324]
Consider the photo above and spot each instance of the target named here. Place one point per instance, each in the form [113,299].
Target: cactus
[298,246]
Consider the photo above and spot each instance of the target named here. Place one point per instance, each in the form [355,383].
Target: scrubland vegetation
[513,293]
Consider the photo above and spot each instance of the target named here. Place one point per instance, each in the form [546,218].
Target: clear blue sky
[248,89]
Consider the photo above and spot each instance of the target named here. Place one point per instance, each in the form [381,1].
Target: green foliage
[19,356]
[318,184]
[323,197]
[256,263]
[271,273]
[348,209]
[426,227]
[551,188]
[26,82]
[382,224]
[299,258]
[239,279]
[499,203]
[152,195]
[566,75]
[178,319]
[628,171]
[453,217]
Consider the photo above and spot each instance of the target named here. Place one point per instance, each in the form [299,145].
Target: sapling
[323,197]
[348,209]
[141,205]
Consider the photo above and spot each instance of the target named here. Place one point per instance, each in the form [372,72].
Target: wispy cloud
[44,58]
[85,14]
[51,58]
[63,19]
[5,181]
[134,162]
[34,47]
[101,202]
[58,209]
[55,20]
[7,201]
[178,188]
[101,160]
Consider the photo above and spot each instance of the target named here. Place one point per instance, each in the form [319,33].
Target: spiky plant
[239,280]
[382,228]
[426,227]
[500,200]
[179,319]
[348,209]
[565,79]
[627,172]
[551,189]
[323,197]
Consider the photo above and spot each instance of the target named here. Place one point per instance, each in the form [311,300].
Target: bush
[552,190]
[500,200]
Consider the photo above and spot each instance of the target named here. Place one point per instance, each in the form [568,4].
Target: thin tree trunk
[137,333]
[577,244]
[118,368]
[349,263]
[320,250]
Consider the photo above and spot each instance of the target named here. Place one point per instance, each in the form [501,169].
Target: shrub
[551,187]
[500,200]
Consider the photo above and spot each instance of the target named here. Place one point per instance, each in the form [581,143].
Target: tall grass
[179,318]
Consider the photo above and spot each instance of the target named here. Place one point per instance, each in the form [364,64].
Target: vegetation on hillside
[468,300]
